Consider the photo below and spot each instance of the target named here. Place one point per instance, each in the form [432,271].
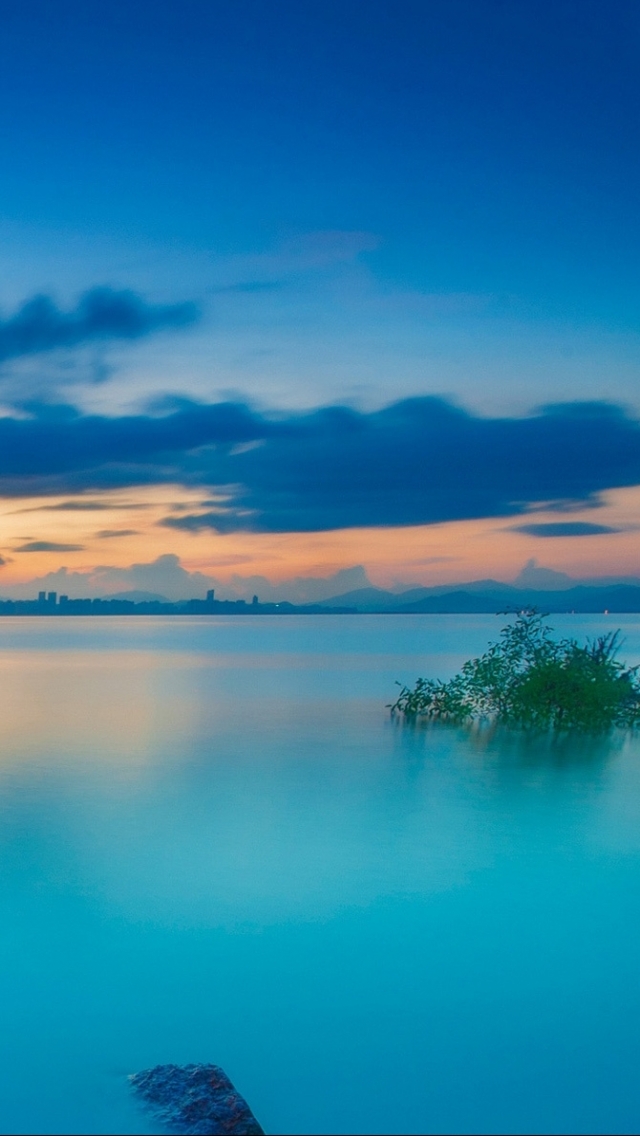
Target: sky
[293,289]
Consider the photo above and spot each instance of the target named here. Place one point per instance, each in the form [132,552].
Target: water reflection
[234,855]
[500,744]
[530,748]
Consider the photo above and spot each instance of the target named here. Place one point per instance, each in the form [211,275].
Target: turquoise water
[216,846]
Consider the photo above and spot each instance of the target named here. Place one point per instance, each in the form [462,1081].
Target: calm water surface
[215,846]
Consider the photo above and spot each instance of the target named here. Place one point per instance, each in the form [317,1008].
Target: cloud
[300,255]
[81,506]
[164,576]
[105,533]
[564,528]
[48,546]
[419,461]
[100,314]
[299,589]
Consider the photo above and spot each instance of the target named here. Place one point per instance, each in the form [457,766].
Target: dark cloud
[49,546]
[564,528]
[81,505]
[419,461]
[101,313]
[106,533]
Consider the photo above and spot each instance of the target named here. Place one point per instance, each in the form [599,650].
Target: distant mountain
[490,596]
[618,598]
[488,585]
[373,599]
[377,599]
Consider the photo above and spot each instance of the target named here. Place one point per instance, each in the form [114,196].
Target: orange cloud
[119,529]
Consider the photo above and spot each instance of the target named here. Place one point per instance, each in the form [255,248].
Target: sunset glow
[277,343]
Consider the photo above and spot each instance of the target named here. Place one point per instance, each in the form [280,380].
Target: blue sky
[322,204]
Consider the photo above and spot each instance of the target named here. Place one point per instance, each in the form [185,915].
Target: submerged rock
[195,1099]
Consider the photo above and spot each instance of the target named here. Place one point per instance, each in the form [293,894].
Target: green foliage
[527,679]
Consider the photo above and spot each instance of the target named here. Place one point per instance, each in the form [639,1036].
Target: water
[215,846]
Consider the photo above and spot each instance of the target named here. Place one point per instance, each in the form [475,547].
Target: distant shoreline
[614,599]
[101,608]
[98,607]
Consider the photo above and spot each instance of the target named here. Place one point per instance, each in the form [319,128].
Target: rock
[195,1099]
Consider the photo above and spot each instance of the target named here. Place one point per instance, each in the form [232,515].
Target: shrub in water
[527,679]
